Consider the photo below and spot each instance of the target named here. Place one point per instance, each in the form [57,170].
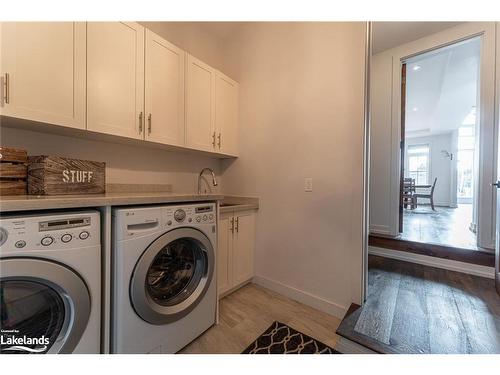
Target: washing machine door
[45,306]
[172,276]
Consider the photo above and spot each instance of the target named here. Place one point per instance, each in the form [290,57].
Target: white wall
[301,115]
[440,165]
[124,163]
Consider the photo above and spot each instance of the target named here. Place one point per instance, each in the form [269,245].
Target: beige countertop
[33,202]
[231,203]
[238,207]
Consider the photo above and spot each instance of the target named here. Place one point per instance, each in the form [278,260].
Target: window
[418,163]
[465,163]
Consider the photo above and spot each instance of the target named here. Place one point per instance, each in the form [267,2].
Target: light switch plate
[308,184]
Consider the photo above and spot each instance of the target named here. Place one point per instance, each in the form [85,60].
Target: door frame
[487,113]
[366,172]
[497,159]
[402,145]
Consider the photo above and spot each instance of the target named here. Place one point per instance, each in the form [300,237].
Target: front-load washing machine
[164,289]
[50,282]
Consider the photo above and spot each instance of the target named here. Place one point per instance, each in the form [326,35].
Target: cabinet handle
[237,225]
[232,225]
[149,123]
[140,123]
[7,88]
[213,139]
[219,137]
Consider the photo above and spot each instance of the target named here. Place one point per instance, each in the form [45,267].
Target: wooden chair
[408,197]
[429,196]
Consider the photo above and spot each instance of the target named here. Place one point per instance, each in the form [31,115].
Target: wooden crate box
[55,175]
[13,171]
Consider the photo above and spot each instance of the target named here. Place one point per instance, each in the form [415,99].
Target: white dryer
[164,289]
[50,282]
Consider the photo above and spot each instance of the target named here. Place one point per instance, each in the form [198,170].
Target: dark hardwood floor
[412,308]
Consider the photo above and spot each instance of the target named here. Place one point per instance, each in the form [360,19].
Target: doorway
[400,291]
[439,145]
[399,125]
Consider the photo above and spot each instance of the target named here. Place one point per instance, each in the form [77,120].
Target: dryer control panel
[49,231]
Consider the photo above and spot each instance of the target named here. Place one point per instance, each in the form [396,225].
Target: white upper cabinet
[226,114]
[115,78]
[164,91]
[200,105]
[42,67]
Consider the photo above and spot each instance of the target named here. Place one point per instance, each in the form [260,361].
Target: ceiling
[220,30]
[441,88]
[387,35]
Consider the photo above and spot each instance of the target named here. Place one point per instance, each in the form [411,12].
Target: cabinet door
[164,91]
[226,114]
[115,78]
[200,105]
[44,66]
[243,247]
[225,243]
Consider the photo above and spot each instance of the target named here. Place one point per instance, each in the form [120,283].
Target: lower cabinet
[236,241]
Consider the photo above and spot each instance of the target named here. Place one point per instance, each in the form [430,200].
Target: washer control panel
[142,221]
[203,213]
[49,231]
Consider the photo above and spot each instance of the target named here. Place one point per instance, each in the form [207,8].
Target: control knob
[46,241]
[179,215]
[66,238]
[84,235]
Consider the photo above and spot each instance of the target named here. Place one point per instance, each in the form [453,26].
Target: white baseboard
[383,230]
[306,298]
[452,265]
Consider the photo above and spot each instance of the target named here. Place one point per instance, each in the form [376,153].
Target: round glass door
[172,276]
[45,306]
[176,271]
[33,310]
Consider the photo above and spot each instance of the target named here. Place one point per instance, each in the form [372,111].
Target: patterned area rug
[282,339]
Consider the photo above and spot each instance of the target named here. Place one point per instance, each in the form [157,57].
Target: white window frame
[407,160]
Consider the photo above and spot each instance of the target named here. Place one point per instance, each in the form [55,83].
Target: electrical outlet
[308,184]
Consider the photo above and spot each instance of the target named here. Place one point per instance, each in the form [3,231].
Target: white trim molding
[301,296]
[383,230]
[452,265]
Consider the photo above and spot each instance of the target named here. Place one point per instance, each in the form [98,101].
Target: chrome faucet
[214,181]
